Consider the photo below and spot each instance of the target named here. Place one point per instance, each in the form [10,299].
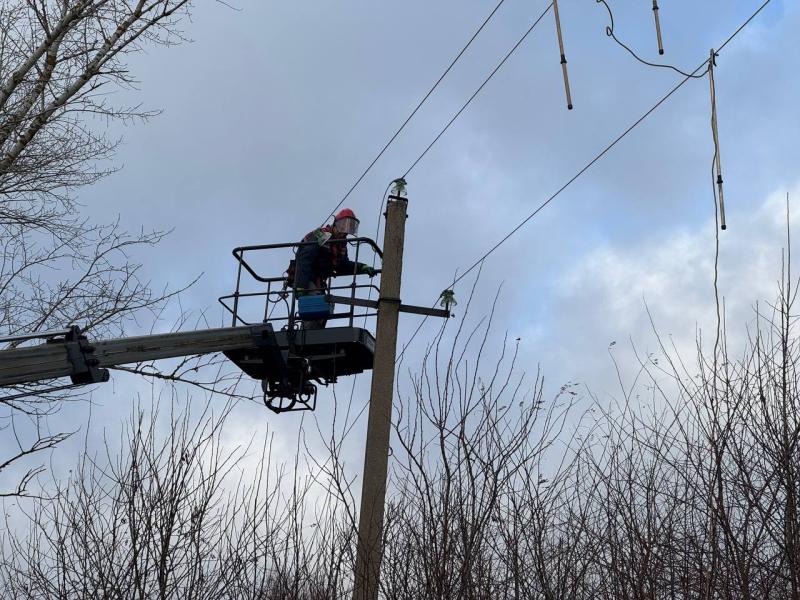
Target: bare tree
[59,61]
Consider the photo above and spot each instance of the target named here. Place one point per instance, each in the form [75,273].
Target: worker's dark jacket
[315,263]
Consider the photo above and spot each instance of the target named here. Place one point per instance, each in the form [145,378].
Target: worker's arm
[345,266]
[349,267]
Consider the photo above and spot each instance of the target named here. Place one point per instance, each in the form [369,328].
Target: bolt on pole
[376,454]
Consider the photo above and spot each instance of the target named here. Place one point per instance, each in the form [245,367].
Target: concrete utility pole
[376,457]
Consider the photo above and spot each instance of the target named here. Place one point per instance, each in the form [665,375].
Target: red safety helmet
[344,213]
[346,222]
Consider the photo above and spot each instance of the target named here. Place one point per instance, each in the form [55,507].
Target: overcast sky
[273,111]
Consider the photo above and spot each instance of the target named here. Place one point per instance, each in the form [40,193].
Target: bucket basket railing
[258,298]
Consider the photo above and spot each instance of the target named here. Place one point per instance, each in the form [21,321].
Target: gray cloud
[273,111]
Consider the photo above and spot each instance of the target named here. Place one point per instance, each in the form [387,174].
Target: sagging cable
[563,56]
[712,62]
[658,27]
[610,33]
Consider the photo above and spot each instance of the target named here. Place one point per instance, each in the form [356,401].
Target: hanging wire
[693,75]
[687,77]
[680,84]
[716,267]
[610,33]
[712,62]
[658,27]
[416,109]
[519,226]
[563,56]
[669,94]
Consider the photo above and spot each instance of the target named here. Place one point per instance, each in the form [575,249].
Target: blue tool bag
[313,307]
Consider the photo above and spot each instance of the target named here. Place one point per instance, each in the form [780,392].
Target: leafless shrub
[471,475]
[173,515]
[685,488]
[697,498]
[478,459]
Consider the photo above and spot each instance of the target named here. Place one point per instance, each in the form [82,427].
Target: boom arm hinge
[80,353]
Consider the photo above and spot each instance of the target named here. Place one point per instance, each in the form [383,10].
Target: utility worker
[327,257]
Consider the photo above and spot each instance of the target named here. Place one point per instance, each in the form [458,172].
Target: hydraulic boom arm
[74,356]
[286,361]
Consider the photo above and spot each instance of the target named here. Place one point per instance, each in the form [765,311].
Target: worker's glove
[366,270]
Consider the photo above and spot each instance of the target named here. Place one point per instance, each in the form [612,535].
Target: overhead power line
[466,104]
[416,109]
[583,170]
[605,150]
[485,81]
[586,167]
